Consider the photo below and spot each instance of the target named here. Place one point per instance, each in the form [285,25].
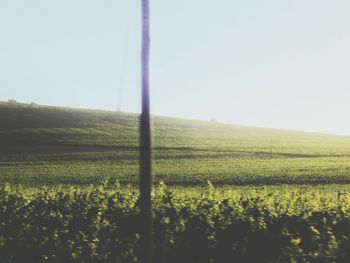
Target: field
[69,181]
[48,145]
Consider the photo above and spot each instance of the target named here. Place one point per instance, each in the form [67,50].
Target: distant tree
[33,103]
[213,120]
[12,101]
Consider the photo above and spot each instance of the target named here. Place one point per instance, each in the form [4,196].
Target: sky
[274,63]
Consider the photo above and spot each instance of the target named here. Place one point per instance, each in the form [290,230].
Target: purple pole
[146,234]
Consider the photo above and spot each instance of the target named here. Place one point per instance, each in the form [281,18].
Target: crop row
[99,224]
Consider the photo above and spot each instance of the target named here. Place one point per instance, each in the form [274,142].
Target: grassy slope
[45,145]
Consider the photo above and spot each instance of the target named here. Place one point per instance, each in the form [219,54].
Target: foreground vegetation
[99,224]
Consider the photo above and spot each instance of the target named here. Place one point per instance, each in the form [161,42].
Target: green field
[43,145]
[68,190]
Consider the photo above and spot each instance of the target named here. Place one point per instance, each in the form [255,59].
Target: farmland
[223,192]
[49,145]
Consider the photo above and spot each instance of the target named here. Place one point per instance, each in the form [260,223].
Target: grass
[41,145]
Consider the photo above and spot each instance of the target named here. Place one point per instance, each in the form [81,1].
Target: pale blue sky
[274,63]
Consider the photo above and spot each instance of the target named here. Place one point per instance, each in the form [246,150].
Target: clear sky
[274,63]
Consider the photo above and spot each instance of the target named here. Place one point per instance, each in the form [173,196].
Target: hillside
[45,145]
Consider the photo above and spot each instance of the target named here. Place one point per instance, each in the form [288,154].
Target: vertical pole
[146,235]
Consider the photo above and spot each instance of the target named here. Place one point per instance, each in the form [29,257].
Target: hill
[50,145]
